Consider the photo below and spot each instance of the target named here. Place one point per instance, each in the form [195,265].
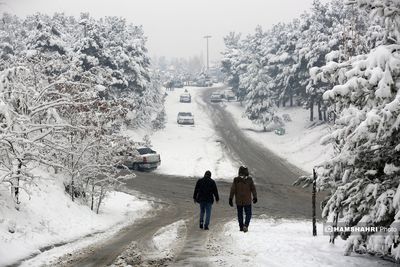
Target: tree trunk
[312,108]
[319,111]
[71,189]
[16,188]
[325,119]
[92,202]
[100,198]
[291,98]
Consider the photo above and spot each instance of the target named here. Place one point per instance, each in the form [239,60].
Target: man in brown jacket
[242,189]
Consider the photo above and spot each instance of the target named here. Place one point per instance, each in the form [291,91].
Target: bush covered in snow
[67,87]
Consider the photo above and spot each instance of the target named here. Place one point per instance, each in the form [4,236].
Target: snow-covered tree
[260,99]
[29,117]
[363,176]
[67,87]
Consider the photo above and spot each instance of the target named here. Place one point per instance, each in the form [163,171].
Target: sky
[175,28]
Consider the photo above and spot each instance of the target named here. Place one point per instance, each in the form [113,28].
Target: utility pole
[314,187]
[208,66]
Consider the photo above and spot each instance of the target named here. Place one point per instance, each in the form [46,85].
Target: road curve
[273,177]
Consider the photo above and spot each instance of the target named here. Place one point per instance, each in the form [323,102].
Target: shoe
[245,229]
[241,229]
[201,226]
[206,228]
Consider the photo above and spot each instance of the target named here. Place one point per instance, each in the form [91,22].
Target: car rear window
[145,150]
[185,114]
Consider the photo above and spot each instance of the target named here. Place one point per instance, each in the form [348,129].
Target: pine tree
[363,175]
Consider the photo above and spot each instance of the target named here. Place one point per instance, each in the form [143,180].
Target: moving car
[142,158]
[185,118]
[216,97]
[185,98]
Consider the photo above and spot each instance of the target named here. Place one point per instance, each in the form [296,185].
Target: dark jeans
[205,207]
[247,211]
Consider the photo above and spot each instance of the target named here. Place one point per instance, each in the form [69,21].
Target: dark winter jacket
[242,189]
[205,190]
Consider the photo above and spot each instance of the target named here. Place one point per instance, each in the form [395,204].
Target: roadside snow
[272,242]
[300,145]
[165,239]
[188,150]
[49,217]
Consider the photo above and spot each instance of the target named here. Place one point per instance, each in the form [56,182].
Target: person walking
[204,193]
[242,189]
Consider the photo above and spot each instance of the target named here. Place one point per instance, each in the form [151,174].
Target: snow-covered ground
[49,217]
[188,150]
[272,242]
[300,145]
[166,240]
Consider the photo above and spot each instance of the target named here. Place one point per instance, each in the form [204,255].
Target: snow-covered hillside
[48,217]
[300,145]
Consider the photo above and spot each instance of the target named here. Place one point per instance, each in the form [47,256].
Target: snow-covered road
[172,236]
[189,150]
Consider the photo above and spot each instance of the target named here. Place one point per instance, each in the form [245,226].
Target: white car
[216,97]
[229,95]
[142,158]
[185,98]
[185,118]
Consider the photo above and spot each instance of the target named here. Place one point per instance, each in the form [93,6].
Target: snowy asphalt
[276,196]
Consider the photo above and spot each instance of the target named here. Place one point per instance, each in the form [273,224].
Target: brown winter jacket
[242,188]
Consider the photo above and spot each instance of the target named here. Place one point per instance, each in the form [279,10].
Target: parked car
[178,84]
[229,95]
[216,97]
[142,158]
[185,118]
[185,98]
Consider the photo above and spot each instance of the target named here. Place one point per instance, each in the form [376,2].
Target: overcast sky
[175,28]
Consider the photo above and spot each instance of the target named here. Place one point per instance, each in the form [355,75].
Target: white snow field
[280,242]
[189,150]
[49,217]
[300,145]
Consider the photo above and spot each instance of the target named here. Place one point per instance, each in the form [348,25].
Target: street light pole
[208,66]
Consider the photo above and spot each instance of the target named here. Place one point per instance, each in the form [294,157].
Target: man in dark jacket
[242,189]
[204,194]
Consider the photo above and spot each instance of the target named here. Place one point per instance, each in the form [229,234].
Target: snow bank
[300,145]
[189,150]
[271,242]
[49,217]
[165,239]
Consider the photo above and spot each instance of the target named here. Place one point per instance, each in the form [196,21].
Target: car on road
[142,158]
[185,98]
[185,118]
[216,97]
[229,95]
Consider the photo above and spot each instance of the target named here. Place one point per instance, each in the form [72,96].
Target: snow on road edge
[281,242]
[49,217]
[300,145]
